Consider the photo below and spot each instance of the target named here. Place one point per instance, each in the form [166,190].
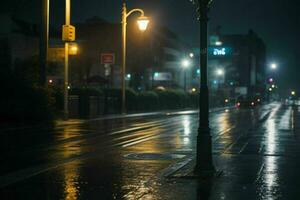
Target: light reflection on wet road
[125,158]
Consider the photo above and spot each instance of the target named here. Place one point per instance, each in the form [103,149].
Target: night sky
[276,21]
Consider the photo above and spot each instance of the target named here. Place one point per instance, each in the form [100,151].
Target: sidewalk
[263,164]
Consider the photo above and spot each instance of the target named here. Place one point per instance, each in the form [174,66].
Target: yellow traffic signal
[68,34]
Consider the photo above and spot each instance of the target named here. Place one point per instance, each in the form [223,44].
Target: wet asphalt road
[257,151]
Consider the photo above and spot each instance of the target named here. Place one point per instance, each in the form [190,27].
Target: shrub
[148,101]
[22,104]
[172,99]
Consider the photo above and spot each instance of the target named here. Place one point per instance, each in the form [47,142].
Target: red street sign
[108,58]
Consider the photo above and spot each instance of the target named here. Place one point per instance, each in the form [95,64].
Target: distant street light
[143,22]
[204,164]
[220,72]
[185,64]
[73,49]
[293,93]
[219,43]
[191,55]
[273,66]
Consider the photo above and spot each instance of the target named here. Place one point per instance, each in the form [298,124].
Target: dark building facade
[237,63]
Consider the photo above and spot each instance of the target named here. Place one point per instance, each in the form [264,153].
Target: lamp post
[204,163]
[143,24]
[68,35]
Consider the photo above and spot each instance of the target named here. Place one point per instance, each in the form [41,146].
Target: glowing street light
[142,22]
[220,72]
[191,55]
[273,66]
[185,64]
[293,93]
[73,49]
[219,43]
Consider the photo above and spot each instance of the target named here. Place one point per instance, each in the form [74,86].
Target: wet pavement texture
[257,151]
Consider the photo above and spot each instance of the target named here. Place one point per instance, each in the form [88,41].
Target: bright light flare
[219,43]
[220,72]
[143,23]
[185,63]
[273,66]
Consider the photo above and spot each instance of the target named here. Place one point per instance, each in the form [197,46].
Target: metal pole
[124,23]
[66,79]
[44,37]
[204,164]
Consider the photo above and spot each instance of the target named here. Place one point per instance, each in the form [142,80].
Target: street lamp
[204,164]
[219,72]
[143,22]
[293,93]
[273,66]
[185,64]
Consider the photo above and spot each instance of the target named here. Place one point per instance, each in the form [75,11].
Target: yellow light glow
[143,23]
[194,90]
[293,93]
[73,50]
[226,100]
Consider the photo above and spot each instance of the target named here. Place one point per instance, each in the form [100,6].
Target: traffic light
[68,34]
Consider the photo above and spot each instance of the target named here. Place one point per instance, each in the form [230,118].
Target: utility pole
[68,35]
[204,163]
[66,79]
[44,38]
[123,71]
